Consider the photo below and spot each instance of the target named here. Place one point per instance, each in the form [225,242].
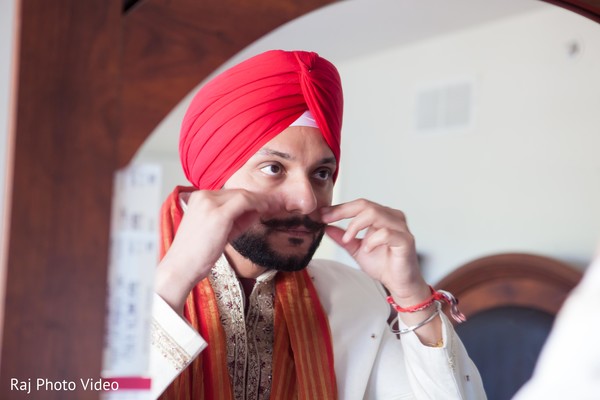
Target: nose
[300,196]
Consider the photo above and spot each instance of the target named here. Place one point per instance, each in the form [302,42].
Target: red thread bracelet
[421,306]
[440,295]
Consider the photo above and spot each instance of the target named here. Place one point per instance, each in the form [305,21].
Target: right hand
[212,219]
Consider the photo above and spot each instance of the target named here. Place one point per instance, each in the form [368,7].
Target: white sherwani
[370,361]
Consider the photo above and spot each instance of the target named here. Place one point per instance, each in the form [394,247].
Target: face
[296,168]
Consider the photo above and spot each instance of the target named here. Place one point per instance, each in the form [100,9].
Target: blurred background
[480,122]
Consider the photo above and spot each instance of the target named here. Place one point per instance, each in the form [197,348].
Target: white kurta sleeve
[371,362]
[175,343]
[407,369]
[435,372]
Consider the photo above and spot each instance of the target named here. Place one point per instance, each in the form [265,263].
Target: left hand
[386,252]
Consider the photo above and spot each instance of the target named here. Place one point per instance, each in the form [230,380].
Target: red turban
[240,110]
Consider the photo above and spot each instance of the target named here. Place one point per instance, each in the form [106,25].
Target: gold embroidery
[168,347]
[259,325]
[248,338]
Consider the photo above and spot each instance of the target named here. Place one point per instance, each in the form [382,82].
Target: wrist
[411,295]
[172,287]
[430,317]
[435,296]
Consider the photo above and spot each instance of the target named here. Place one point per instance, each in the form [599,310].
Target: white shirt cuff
[175,344]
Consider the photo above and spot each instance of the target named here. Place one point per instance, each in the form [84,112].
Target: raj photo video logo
[30,385]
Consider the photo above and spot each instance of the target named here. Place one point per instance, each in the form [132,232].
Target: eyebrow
[265,151]
[328,160]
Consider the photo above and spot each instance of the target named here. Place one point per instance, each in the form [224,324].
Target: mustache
[294,222]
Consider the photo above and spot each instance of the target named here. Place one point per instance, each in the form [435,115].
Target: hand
[212,219]
[386,253]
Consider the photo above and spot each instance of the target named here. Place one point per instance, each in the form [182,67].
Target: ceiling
[356,28]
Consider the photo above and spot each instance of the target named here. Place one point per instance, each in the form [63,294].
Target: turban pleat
[240,110]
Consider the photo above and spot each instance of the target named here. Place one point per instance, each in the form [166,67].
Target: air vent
[444,108]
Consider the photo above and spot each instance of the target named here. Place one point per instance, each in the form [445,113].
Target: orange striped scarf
[302,362]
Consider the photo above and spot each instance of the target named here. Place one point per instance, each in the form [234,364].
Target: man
[261,145]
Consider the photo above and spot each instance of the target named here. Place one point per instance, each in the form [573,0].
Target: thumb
[337,234]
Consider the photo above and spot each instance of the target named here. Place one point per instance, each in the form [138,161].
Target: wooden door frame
[93,82]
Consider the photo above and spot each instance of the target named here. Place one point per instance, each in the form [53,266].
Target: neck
[243,267]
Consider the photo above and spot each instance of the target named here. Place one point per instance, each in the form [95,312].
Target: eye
[272,169]
[323,174]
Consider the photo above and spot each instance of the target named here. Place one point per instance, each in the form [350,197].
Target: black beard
[254,246]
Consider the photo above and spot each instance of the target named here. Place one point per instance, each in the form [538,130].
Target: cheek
[242,179]
[325,195]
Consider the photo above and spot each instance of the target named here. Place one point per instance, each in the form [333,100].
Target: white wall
[524,177]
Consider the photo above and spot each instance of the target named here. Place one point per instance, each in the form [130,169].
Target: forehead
[297,141]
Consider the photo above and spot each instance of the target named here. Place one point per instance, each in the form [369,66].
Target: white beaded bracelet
[438,309]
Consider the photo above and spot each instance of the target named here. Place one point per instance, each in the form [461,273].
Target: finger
[398,242]
[377,218]
[343,211]
[380,237]
[363,220]
[336,234]
[239,202]
[245,209]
